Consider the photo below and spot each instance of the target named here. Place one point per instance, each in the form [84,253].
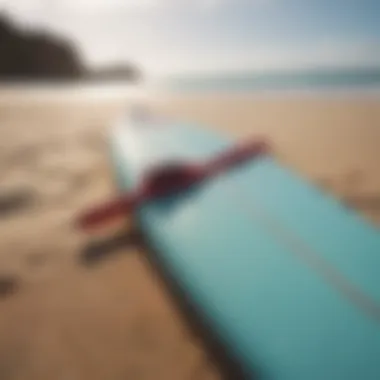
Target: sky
[170,36]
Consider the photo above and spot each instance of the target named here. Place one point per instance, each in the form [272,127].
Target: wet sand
[67,312]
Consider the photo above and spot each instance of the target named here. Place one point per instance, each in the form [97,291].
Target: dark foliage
[39,55]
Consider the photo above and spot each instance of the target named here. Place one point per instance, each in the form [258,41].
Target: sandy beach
[63,316]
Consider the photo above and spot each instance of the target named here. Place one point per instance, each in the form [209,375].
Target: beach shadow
[15,201]
[96,251]
[218,354]
[364,201]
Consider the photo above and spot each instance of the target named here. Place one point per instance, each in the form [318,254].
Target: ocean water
[367,80]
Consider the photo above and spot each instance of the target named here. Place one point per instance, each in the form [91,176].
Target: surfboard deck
[285,275]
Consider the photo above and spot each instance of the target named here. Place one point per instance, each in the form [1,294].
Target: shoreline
[331,93]
[153,89]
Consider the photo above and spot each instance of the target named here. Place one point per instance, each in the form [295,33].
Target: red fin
[166,180]
[107,211]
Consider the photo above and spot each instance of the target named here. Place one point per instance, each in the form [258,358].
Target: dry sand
[65,318]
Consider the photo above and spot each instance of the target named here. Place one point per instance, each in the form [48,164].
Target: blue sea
[363,80]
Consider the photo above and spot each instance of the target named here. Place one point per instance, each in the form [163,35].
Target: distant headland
[43,56]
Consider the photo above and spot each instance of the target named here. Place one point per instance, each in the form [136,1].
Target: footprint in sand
[8,285]
[15,201]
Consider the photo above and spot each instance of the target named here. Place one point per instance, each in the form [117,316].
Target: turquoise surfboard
[286,276]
